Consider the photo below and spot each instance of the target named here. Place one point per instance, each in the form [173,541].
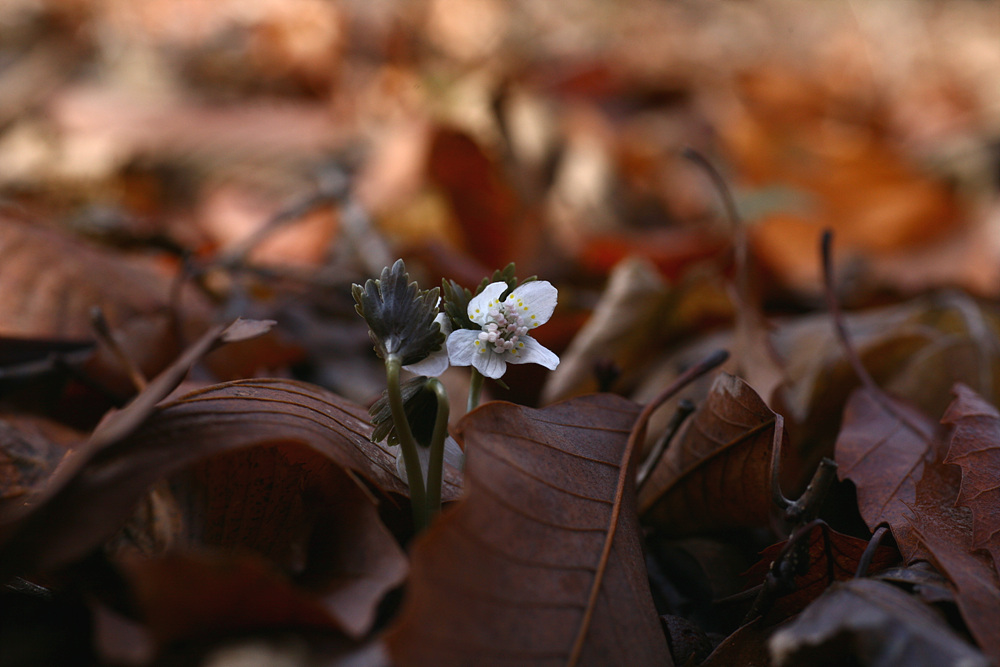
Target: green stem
[436,464]
[418,498]
[475,388]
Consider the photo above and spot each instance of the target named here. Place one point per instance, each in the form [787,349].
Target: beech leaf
[317,529]
[717,475]
[89,504]
[540,563]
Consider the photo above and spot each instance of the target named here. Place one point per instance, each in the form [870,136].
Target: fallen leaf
[746,646]
[882,447]
[88,505]
[975,448]
[56,302]
[620,329]
[298,510]
[484,203]
[922,579]
[29,517]
[829,556]
[540,562]
[717,475]
[944,533]
[869,622]
[29,453]
[193,596]
[915,351]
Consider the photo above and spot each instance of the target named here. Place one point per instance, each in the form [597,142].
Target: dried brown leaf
[868,622]
[200,595]
[975,448]
[944,533]
[92,500]
[301,512]
[882,447]
[50,282]
[540,563]
[717,475]
[829,556]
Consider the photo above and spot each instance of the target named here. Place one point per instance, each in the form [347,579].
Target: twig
[684,410]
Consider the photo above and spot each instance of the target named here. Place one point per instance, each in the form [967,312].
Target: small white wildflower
[505,325]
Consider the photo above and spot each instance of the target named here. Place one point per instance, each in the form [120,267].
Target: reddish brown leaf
[882,447]
[30,516]
[92,502]
[975,448]
[867,622]
[201,595]
[540,563]
[484,203]
[30,449]
[301,512]
[831,556]
[718,475]
[50,282]
[944,533]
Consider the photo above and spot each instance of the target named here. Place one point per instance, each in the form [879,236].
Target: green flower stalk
[408,332]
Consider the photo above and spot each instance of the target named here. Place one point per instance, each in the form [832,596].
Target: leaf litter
[174,490]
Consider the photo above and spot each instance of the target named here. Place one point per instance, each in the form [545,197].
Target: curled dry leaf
[975,448]
[869,622]
[717,475]
[882,447]
[303,513]
[26,522]
[540,563]
[92,502]
[200,595]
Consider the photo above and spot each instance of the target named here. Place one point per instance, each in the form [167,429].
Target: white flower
[505,325]
[436,363]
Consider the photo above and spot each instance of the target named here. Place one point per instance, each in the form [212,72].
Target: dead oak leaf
[975,448]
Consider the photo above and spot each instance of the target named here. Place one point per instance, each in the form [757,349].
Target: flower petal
[530,351]
[535,301]
[432,366]
[490,364]
[437,362]
[480,305]
[462,346]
